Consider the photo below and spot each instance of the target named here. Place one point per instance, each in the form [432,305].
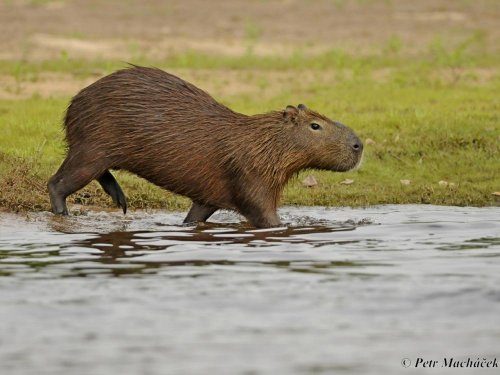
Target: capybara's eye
[315,126]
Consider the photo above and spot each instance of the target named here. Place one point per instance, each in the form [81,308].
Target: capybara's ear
[290,113]
[302,107]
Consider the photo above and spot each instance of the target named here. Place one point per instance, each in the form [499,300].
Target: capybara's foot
[265,222]
[57,200]
[262,219]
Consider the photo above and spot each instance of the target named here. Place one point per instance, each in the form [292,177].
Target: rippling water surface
[337,291]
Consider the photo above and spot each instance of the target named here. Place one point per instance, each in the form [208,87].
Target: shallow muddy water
[340,291]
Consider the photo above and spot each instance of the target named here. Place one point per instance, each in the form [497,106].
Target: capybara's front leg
[260,216]
[199,213]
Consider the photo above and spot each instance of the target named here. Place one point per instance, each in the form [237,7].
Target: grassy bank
[425,119]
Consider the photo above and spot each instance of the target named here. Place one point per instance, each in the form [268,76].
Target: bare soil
[114,28]
[35,30]
[43,29]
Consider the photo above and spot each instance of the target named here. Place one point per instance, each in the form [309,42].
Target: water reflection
[133,252]
[309,244]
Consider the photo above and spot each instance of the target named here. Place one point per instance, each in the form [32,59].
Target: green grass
[432,117]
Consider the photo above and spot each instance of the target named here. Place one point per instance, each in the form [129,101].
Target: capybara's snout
[356,144]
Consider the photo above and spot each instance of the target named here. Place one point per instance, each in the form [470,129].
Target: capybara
[177,136]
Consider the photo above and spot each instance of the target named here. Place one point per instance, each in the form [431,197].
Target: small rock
[405,182]
[347,181]
[446,183]
[309,181]
[369,141]
[496,193]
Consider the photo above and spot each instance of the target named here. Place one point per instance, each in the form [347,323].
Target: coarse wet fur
[177,136]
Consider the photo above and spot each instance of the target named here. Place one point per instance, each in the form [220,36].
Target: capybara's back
[153,124]
[175,135]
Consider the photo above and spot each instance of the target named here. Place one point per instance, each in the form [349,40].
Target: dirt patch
[50,45]
[225,83]
[46,46]
[45,85]
[112,28]
[220,83]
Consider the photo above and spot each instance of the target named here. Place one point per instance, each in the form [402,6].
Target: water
[341,291]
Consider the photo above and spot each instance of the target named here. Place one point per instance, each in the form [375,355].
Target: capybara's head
[328,144]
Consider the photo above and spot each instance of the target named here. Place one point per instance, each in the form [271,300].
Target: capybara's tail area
[110,186]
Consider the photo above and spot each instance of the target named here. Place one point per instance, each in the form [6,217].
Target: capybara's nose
[356,144]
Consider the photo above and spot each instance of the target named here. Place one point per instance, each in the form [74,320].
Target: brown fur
[177,136]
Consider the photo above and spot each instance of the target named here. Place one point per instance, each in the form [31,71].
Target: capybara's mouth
[349,165]
[359,162]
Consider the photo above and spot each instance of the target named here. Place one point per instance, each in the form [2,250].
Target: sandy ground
[220,83]
[110,29]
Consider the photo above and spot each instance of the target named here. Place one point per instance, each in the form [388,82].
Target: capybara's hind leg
[199,213]
[73,175]
[110,186]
